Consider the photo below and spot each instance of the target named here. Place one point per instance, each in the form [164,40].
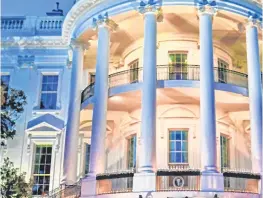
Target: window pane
[178,135]
[184,135]
[172,158]
[172,135]
[178,58]
[178,157]
[185,157]
[178,146]
[184,146]
[172,146]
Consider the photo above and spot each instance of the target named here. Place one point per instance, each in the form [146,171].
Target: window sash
[41,170]
[49,92]
[225,158]
[87,158]
[178,147]
[131,153]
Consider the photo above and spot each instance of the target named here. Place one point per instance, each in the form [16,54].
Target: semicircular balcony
[171,76]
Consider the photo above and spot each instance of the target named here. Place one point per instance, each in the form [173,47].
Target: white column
[255,95]
[148,124]
[97,151]
[211,180]
[72,128]
[207,93]
[145,180]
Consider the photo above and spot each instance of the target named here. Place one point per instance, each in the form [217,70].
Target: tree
[13,184]
[12,106]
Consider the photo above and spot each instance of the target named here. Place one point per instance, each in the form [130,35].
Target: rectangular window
[49,92]
[42,166]
[225,158]
[87,158]
[178,146]
[224,143]
[5,85]
[134,71]
[178,66]
[222,71]
[132,152]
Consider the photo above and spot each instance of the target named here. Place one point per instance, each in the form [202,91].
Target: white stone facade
[113,48]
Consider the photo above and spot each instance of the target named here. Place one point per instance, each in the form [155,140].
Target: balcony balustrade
[28,26]
[168,72]
[11,24]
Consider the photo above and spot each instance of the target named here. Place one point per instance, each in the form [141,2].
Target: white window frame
[44,72]
[178,129]
[34,141]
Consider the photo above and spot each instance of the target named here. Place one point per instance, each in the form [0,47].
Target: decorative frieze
[26,61]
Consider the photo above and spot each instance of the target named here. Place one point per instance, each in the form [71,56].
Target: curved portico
[112,48]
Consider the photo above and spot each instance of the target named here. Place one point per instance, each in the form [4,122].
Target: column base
[144,182]
[89,187]
[212,182]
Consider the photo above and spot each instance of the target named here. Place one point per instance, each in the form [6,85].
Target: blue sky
[32,7]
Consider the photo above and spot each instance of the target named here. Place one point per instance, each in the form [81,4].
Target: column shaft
[72,129]
[207,95]
[148,126]
[97,152]
[255,97]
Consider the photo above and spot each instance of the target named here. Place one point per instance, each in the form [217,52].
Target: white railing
[9,23]
[31,25]
[49,23]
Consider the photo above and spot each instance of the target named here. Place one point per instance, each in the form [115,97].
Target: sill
[37,111]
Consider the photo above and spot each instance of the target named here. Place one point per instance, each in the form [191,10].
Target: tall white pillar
[255,95]
[145,179]
[72,128]
[210,179]
[97,150]
[207,93]
[148,123]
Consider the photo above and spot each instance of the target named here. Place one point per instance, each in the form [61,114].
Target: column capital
[207,7]
[254,21]
[105,21]
[153,7]
[74,43]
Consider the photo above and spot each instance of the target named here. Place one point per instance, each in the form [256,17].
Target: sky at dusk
[32,7]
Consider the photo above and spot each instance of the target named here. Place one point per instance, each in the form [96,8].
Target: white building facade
[138,99]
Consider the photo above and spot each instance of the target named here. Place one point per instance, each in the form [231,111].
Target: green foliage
[12,105]
[13,184]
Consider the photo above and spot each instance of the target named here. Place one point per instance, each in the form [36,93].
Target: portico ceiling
[228,30]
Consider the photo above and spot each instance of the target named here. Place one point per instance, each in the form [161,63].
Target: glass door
[178,66]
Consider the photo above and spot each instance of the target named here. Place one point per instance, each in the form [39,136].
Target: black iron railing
[171,72]
[115,182]
[183,179]
[240,181]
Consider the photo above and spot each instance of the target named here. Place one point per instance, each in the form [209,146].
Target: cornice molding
[19,42]
[80,16]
